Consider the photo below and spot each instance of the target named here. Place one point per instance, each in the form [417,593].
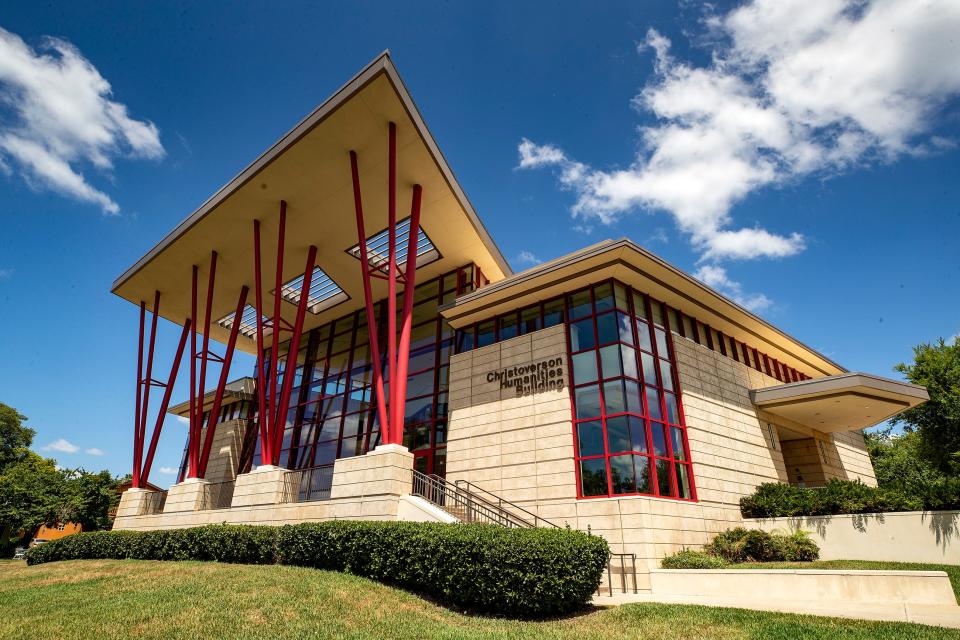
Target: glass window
[622,475]
[618,434]
[607,329]
[593,477]
[676,441]
[553,312]
[584,367]
[590,438]
[485,333]
[643,336]
[666,375]
[653,404]
[659,438]
[508,327]
[610,361]
[620,296]
[624,328]
[587,400]
[530,320]
[649,369]
[683,481]
[663,477]
[614,400]
[603,294]
[581,335]
[629,361]
[579,304]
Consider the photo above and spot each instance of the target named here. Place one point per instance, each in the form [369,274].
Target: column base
[190,495]
[385,471]
[266,484]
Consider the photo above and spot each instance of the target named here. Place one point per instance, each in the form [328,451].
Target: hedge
[777,500]
[483,568]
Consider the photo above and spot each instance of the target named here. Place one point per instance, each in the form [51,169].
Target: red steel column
[165,402]
[261,377]
[410,281]
[377,382]
[277,295]
[204,356]
[194,429]
[148,377]
[289,371]
[393,437]
[137,443]
[221,385]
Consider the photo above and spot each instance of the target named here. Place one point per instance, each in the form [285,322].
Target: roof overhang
[239,389]
[630,263]
[309,168]
[845,402]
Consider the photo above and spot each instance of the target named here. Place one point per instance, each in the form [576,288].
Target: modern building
[605,390]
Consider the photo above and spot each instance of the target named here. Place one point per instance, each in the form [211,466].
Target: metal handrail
[463,504]
[623,557]
[474,489]
[152,503]
[308,485]
[218,495]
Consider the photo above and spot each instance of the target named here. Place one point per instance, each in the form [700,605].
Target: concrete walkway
[936,615]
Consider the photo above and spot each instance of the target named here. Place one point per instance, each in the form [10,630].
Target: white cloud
[6,274]
[58,114]
[793,88]
[61,445]
[94,451]
[183,419]
[527,258]
[716,277]
[168,471]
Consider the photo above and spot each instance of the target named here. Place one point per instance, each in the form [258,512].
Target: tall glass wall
[333,414]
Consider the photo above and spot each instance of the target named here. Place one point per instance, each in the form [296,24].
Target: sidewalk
[937,615]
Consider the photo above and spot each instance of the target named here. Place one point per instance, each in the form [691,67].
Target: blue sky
[803,161]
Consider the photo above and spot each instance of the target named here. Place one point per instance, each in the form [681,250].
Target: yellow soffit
[628,262]
[839,403]
[309,168]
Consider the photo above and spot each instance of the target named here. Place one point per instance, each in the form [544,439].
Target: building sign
[528,379]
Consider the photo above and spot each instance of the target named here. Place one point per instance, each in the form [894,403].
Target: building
[605,389]
[48,532]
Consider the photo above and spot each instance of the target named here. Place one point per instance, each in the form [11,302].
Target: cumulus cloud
[527,258]
[717,278]
[793,89]
[94,451]
[56,115]
[168,471]
[62,445]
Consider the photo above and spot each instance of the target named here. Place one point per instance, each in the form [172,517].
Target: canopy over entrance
[845,402]
[309,168]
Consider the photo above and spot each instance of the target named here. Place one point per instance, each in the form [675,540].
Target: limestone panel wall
[521,447]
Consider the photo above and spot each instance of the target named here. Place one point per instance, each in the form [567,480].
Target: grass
[144,599]
[952,570]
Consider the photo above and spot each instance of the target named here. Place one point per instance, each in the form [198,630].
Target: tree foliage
[15,438]
[937,421]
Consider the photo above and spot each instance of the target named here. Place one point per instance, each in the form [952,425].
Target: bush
[750,545]
[777,500]
[520,572]
[689,559]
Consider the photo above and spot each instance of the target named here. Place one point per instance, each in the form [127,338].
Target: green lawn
[952,570]
[143,599]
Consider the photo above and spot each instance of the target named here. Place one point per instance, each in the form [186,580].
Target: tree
[89,498]
[937,421]
[15,439]
[898,461]
[31,493]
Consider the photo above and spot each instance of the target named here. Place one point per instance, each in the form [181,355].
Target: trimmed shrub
[796,547]
[750,545]
[690,559]
[518,572]
[777,500]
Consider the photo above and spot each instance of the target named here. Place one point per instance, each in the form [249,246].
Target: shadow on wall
[944,525]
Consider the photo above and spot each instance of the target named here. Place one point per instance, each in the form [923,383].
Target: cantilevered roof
[309,168]
[839,403]
[239,389]
[630,263]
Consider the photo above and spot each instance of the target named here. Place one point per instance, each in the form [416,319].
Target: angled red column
[148,376]
[263,412]
[192,453]
[368,300]
[406,319]
[274,360]
[392,284]
[137,442]
[204,354]
[289,371]
[165,402]
[221,385]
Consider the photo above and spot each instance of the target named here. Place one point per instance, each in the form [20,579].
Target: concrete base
[264,485]
[190,495]
[137,502]
[385,471]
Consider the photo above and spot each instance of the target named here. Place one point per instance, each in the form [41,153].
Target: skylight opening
[248,322]
[378,248]
[324,292]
